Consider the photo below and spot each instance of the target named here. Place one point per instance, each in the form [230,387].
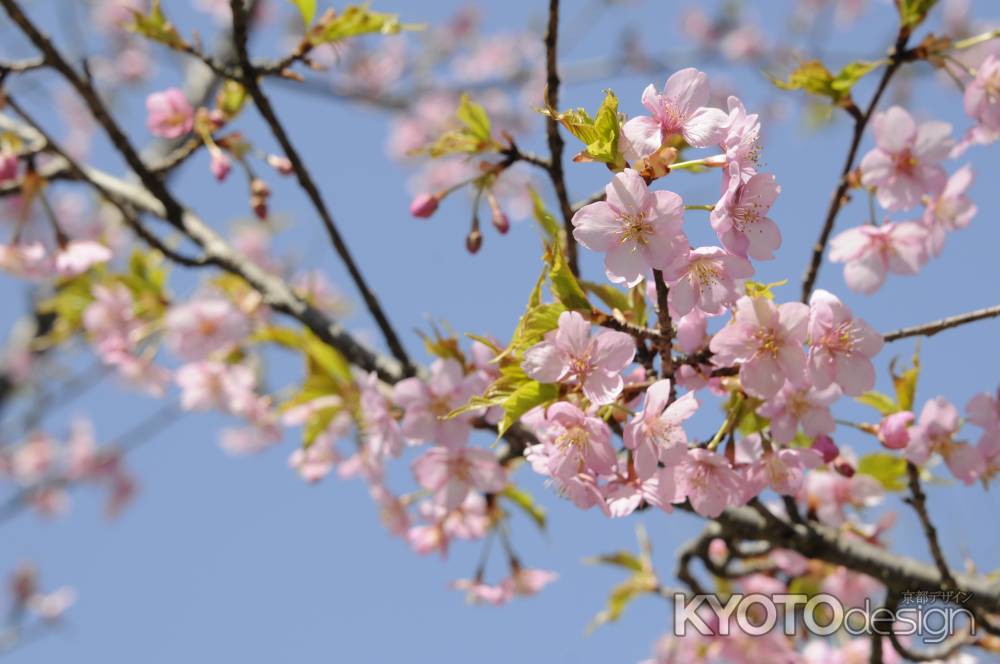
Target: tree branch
[896,59]
[932,328]
[556,145]
[249,80]
[918,501]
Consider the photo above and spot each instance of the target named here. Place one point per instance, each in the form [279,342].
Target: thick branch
[249,80]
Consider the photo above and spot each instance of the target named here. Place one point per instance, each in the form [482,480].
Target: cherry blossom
[982,95]
[868,252]
[169,114]
[204,326]
[705,279]
[426,403]
[741,143]
[656,433]
[637,228]
[766,340]
[893,430]
[570,355]
[740,217]
[78,256]
[934,431]
[708,481]
[452,473]
[830,493]
[840,346]
[216,385]
[904,165]
[950,210]
[803,405]
[680,110]
[315,462]
[573,443]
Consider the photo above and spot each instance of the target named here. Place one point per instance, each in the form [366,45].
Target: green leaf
[883,403]
[549,225]
[474,136]
[852,73]
[621,595]
[757,289]
[524,398]
[356,20]
[888,469]
[565,287]
[913,12]
[624,559]
[474,117]
[317,423]
[813,77]
[600,133]
[524,500]
[906,382]
[155,26]
[308,10]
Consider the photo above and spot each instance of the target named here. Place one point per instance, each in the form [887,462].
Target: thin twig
[932,328]
[918,501]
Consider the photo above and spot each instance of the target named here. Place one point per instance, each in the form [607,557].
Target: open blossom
[840,346]
[27,260]
[708,481]
[829,494]
[705,279]
[315,462]
[624,494]
[656,433]
[216,385]
[204,326]
[904,165]
[982,94]
[740,217]
[949,210]
[767,342]
[382,434]
[784,470]
[638,228]
[78,256]
[169,114]
[868,252]
[800,405]
[110,319]
[983,410]
[570,355]
[426,403]
[680,110]
[741,142]
[573,443]
[452,473]
[934,432]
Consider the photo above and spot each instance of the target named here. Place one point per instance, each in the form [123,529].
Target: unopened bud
[259,195]
[500,220]
[844,468]
[424,205]
[281,164]
[474,241]
[893,430]
[826,447]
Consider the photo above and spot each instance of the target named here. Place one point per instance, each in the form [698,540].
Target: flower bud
[844,468]
[474,240]
[281,164]
[892,430]
[259,195]
[826,447]
[500,220]
[8,166]
[424,205]
[220,164]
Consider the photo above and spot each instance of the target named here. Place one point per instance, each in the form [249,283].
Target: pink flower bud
[169,114]
[8,166]
[473,241]
[892,430]
[280,164]
[424,205]
[220,164]
[501,223]
[826,447]
[844,468]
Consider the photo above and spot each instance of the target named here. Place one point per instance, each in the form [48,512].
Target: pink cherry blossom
[982,94]
[27,260]
[740,217]
[169,114]
[784,470]
[575,443]
[904,165]
[949,210]
[78,256]
[830,493]
[826,448]
[452,473]
[795,405]
[934,432]
[868,252]
[680,110]
[624,494]
[741,143]
[382,434]
[983,410]
[315,462]
[893,430]
[766,340]
[840,346]
[656,433]
[850,587]
[637,228]
[692,330]
[204,326]
[426,403]
[110,319]
[705,279]
[708,481]
[570,355]
[216,385]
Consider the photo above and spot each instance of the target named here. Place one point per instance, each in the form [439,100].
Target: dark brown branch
[918,501]
[555,140]
[896,59]
[666,327]
[249,80]
[932,328]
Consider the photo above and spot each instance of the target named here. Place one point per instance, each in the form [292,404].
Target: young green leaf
[307,8]
[888,469]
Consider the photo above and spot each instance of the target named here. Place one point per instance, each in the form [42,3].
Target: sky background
[223,559]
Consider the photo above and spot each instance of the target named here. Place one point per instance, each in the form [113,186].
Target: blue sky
[238,560]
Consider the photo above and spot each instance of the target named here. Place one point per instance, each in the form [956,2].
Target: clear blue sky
[225,559]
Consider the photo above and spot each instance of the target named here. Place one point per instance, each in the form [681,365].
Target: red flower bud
[826,447]
[474,240]
[424,205]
